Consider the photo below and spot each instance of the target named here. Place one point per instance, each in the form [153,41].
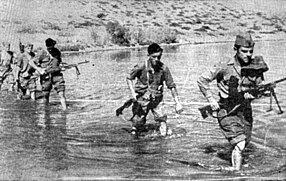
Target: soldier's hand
[214,104]
[248,96]
[179,108]
[134,96]
[42,71]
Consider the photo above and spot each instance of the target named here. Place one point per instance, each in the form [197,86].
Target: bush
[115,33]
[28,28]
[100,35]
[146,35]
[119,34]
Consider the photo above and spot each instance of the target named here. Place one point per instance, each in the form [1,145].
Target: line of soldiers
[234,77]
[22,71]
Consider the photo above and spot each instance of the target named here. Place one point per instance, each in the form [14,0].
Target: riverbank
[84,26]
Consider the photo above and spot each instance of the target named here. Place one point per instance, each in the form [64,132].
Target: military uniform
[230,81]
[234,78]
[6,60]
[53,76]
[27,82]
[149,89]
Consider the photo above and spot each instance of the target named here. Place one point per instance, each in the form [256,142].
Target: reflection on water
[88,141]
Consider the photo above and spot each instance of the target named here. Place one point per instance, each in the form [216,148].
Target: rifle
[258,92]
[64,66]
[126,104]
[261,90]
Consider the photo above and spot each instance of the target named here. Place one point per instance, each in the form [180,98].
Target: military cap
[154,48]
[257,64]
[244,40]
[50,42]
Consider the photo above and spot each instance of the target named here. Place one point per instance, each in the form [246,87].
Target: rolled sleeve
[206,78]
[135,72]
[169,79]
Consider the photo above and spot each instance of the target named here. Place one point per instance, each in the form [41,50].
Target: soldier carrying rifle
[234,77]
[47,63]
[147,94]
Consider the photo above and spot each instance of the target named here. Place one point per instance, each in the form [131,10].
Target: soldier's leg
[32,88]
[236,155]
[59,85]
[46,85]
[234,130]
[10,81]
[63,99]
[139,117]
[159,116]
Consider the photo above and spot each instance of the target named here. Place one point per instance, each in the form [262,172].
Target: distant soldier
[6,60]
[25,74]
[47,63]
[148,90]
[234,77]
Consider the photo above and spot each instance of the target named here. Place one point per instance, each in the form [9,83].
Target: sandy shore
[195,21]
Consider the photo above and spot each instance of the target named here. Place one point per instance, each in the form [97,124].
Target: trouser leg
[236,156]
[160,118]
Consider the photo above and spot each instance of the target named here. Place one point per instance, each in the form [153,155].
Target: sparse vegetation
[28,28]
[119,34]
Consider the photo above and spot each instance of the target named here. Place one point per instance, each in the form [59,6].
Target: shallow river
[88,142]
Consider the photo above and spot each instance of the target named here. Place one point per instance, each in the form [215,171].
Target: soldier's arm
[172,86]
[33,62]
[204,84]
[53,67]
[134,73]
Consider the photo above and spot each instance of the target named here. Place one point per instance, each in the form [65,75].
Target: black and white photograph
[142,90]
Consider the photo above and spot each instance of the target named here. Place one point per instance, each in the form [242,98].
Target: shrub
[28,28]
[146,35]
[51,26]
[119,34]
[100,35]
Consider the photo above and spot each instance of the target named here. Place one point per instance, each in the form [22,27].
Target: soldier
[234,77]
[6,60]
[24,74]
[47,63]
[148,90]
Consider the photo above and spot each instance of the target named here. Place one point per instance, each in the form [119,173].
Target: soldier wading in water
[148,90]
[234,77]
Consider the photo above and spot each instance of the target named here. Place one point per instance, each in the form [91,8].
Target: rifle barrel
[275,82]
[280,80]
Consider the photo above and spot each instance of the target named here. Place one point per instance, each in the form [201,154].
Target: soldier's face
[244,54]
[155,58]
[28,49]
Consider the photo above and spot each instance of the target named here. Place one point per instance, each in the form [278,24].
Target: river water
[88,142]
